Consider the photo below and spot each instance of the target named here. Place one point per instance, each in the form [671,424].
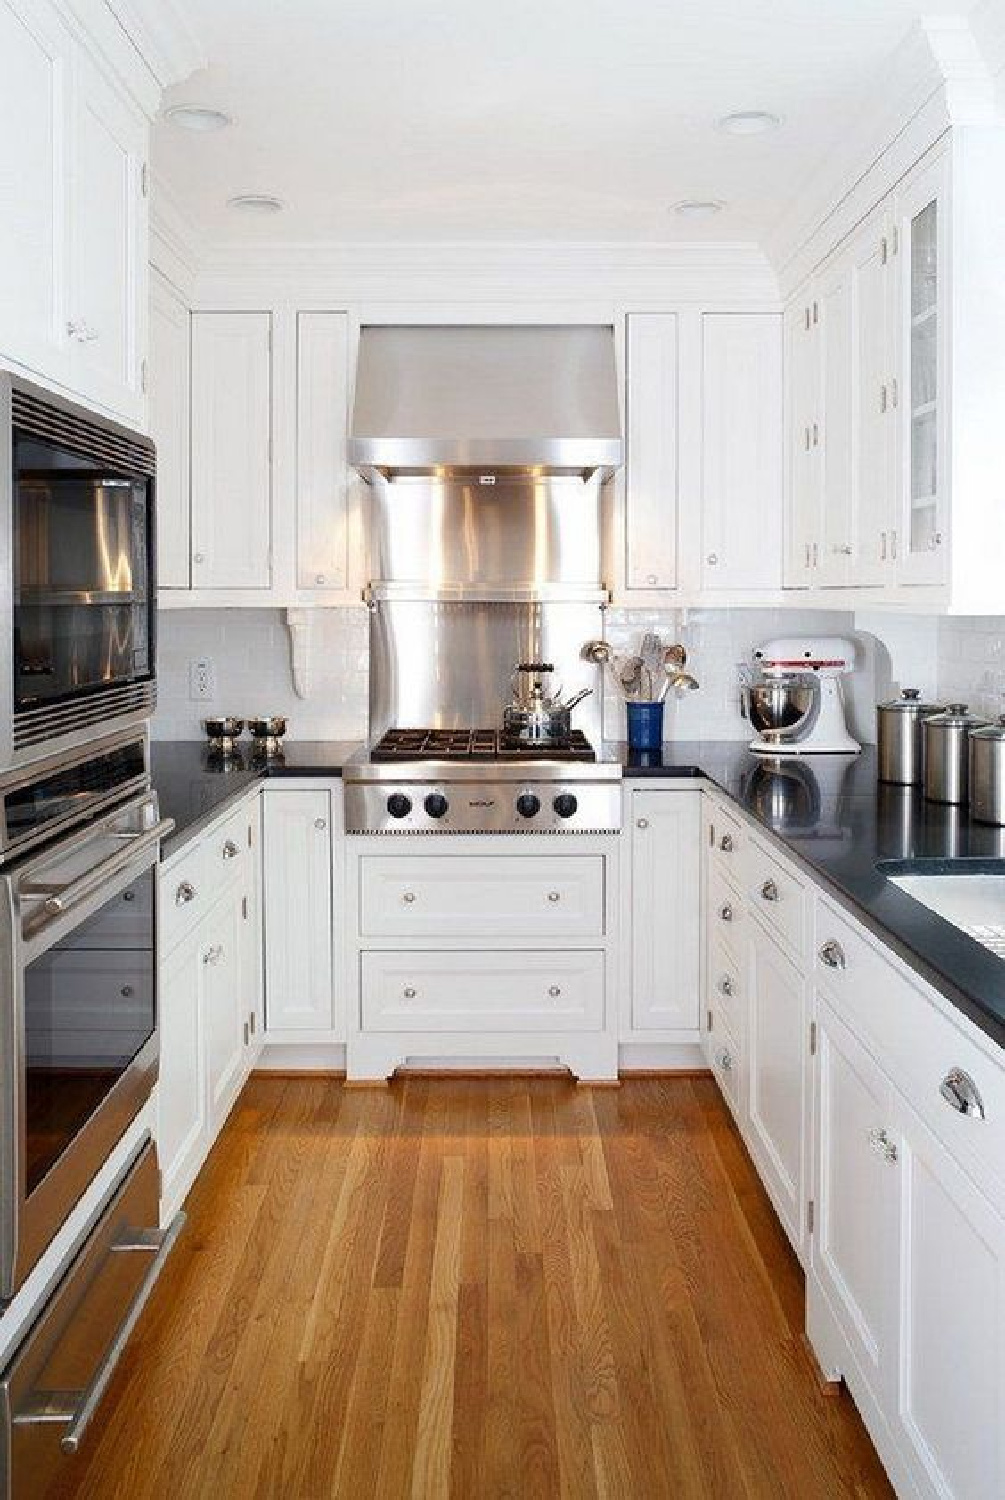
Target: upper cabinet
[169,428]
[651,452]
[895,383]
[73,215]
[322,477]
[231,450]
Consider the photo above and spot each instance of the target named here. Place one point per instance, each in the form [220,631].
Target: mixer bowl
[783,708]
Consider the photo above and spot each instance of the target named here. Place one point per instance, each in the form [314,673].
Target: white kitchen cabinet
[109,279]
[231,437]
[225,1008]
[801,324]
[36,60]
[741,451]
[833,434]
[776,1048]
[665,912]
[950,1400]
[169,428]
[651,477]
[856,1195]
[874,401]
[182,1104]
[322,472]
[298,918]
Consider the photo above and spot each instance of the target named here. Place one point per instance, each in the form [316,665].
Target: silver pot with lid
[536,714]
[901,740]
[987,772]
[947,753]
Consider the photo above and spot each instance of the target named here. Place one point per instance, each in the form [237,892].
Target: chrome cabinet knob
[184,893]
[642,823]
[554,990]
[962,1094]
[320,824]
[652,579]
[554,896]
[769,891]
[712,559]
[726,912]
[408,898]
[409,992]
[884,1148]
[725,1061]
[726,986]
[832,954]
[726,843]
[198,557]
[319,578]
[230,850]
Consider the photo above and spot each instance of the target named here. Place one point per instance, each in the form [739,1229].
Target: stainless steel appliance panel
[55,1382]
[419,801]
[448,665]
[485,532]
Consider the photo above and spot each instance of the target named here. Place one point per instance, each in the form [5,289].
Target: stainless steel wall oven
[76,572]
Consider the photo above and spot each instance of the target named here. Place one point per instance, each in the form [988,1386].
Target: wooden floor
[477,1288]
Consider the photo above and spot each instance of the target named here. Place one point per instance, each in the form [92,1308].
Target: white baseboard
[645,1057]
[329,1057]
[301,1057]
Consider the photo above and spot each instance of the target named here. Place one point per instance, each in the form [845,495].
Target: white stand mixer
[797,706]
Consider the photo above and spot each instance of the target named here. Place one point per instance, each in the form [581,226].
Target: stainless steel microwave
[76,575]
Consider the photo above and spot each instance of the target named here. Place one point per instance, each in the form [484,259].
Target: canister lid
[995,731]
[910,702]
[955,715]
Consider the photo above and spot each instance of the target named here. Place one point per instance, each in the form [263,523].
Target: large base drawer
[472,896]
[483,991]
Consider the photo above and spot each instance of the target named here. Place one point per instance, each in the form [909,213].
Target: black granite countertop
[851,832]
[195,787]
[829,813]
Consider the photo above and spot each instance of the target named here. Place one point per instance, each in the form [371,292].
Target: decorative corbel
[299,623]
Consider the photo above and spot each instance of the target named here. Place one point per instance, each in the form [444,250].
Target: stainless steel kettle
[535,715]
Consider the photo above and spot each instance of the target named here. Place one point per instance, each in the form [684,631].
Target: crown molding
[458,272]
[175,245]
[164,35]
[937,78]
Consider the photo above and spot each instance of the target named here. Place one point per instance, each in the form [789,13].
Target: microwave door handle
[59,899]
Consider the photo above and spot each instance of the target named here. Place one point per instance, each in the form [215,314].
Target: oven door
[80,1041]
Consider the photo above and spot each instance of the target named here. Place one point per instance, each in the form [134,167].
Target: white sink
[974,903]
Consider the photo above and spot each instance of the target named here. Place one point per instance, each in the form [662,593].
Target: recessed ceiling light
[749,122]
[256,203]
[697,208]
[197,117]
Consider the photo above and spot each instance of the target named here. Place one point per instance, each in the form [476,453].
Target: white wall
[971,662]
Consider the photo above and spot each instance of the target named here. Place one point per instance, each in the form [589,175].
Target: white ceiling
[410,120]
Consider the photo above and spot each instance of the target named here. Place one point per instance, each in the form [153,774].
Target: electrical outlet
[201,680]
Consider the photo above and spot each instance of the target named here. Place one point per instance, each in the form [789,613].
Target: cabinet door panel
[835,432]
[665,911]
[741,450]
[322,401]
[952,1372]
[181,1085]
[776,1048]
[875,540]
[169,412]
[854,1246]
[651,480]
[231,450]
[223,1009]
[109,249]
[34,105]
[802,400]
[298,911]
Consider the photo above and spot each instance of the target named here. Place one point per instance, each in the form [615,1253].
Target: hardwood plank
[476,1287]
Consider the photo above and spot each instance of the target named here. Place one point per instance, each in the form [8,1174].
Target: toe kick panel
[485,991]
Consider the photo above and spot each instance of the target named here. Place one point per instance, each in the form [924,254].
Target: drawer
[184,896]
[725,840]
[725,987]
[470,896]
[916,1043]
[726,914]
[777,897]
[55,1380]
[725,1061]
[229,848]
[484,991]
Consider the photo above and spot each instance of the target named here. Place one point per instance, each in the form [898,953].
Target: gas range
[475,781]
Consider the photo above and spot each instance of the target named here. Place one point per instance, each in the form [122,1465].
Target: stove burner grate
[476,744]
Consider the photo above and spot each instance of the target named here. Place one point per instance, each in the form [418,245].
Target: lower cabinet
[777,1045]
[210,998]
[297,895]
[665,912]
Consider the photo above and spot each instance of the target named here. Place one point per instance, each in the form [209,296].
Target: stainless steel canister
[901,741]
[947,753]
[987,773]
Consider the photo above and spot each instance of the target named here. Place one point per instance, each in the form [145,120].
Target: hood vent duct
[533,400]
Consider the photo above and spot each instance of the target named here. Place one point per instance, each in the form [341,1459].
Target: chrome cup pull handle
[832,954]
[726,843]
[962,1094]
[186,892]
[230,850]
[726,912]
[769,891]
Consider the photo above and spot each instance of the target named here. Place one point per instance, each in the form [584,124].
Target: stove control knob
[436,805]
[398,805]
[565,804]
[527,805]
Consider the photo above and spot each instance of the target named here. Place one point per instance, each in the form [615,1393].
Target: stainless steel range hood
[536,400]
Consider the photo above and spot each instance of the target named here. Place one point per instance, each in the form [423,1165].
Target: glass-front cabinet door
[921,218]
